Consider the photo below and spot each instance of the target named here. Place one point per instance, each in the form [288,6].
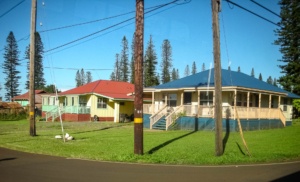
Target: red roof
[26,95]
[106,88]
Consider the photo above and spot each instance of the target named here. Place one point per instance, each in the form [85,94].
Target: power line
[11,9]
[265,8]
[60,68]
[91,69]
[107,18]
[110,31]
[252,12]
[93,21]
[112,26]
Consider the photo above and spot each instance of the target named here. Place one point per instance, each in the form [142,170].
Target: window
[171,100]
[187,98]
[82,101]
[102,103]
[206,99]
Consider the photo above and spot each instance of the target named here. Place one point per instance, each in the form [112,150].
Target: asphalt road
[23,167]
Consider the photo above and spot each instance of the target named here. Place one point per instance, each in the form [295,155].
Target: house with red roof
[103,100]
[23,99]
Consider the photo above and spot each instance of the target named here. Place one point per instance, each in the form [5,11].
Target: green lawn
[114,142]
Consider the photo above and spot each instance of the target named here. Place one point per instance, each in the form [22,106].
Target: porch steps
[160,124]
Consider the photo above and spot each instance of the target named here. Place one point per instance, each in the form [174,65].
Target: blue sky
[246,40]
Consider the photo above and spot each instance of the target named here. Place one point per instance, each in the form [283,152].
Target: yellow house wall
[127,108]
[101,112]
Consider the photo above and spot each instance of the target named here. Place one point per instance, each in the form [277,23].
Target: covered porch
[244,103]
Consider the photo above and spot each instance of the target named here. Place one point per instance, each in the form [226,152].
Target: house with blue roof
[189,102]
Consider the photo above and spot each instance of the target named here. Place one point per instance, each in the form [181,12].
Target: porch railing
[171,118]
[52,110]
[54,113]
[158,115]
[149,109]
[77,109]
[227,112]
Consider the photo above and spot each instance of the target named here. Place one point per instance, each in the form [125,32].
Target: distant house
[23,99]
[243,96]
[103,100]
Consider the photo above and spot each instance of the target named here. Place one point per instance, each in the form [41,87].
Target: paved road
[23,167]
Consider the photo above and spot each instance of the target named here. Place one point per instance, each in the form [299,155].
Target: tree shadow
[7,159]
[92,130]
[226,137]
[153,150]
[240,148]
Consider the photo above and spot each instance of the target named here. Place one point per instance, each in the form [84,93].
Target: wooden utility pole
[216,8]
[138,78]
[31,72]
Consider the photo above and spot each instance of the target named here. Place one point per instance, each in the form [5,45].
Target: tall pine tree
[260,77]
[174,74]
[124,62]
[203,67]
[78,79]
[194,68]
[39,80]
[187,70]
[150,78]
[252,72]
[11,61]
[88,77]
[166,64]
[289,42]
[270,80]
[116,74]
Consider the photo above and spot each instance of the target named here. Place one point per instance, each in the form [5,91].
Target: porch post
[117,112]
[279,100]
[166,99]
[181,97]
[259,105]
[248,98]
[152,105]
[198,104]
[270,102]
[235,93]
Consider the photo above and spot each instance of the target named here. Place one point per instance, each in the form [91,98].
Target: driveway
[23,167]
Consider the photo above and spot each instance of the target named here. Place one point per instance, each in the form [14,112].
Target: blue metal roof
[229,78]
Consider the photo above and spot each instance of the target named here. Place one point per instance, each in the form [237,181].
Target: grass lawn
[115,142]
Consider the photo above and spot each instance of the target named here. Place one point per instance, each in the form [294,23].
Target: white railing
[54,113]
[227,112]
[150,109]
[171,118]
[155,117]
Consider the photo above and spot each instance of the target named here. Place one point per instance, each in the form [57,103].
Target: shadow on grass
[226,137]
[8,159]
[240,148]
[101,129]
[69,130]
[153,150]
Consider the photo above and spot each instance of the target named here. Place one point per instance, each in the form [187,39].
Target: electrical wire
[112,26]
[252,12]
[265,8]
[11,9]
[111,17]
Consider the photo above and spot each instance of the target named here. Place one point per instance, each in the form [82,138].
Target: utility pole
[31,73]
[216,8]
[138,78]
